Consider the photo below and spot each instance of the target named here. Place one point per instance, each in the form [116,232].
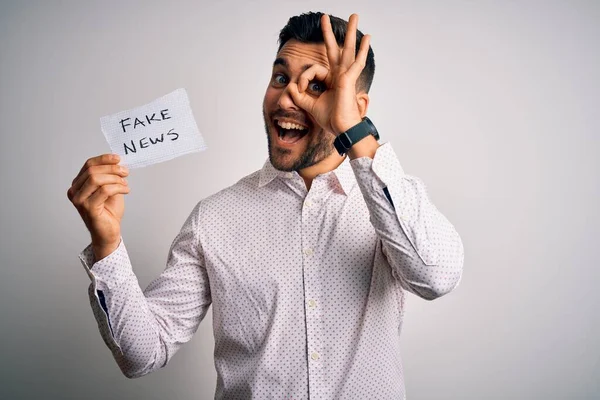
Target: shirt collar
[344,174]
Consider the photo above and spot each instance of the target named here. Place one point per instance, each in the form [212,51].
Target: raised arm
[142,329]
[423,248]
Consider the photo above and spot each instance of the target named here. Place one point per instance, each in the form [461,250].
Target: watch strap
[344,141]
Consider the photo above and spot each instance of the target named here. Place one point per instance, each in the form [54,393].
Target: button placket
[313,319]
[312,289]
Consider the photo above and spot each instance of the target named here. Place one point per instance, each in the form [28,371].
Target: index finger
[314,72]
[350,42]
[107,158]
[333,51]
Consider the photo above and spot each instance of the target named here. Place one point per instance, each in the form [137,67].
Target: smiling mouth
[290,132]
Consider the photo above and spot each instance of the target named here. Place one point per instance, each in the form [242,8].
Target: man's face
[294,149]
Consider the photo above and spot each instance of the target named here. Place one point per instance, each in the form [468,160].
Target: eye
[279,80]
[317,86]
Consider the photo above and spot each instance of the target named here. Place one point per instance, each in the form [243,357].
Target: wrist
[366,147]
[345,126]
[358,133]
[103,250]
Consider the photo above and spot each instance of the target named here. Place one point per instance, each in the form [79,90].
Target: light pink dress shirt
[307,287]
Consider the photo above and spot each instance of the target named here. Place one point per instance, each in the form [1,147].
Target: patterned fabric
[307,287]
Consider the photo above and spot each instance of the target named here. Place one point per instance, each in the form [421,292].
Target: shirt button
[308,203]
[308,251]
[314,356]
[312,303]
[289,174]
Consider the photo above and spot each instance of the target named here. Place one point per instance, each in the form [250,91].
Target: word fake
[137,121]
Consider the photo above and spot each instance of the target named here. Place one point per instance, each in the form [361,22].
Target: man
[304,261]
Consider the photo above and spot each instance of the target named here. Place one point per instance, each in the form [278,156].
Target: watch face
[342,143]
[345,140]
[339,147]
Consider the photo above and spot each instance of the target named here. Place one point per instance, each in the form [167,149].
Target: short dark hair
[306,28]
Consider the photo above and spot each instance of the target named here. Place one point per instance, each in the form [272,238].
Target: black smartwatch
[344,141]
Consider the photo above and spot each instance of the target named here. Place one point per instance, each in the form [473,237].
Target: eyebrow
[283,62]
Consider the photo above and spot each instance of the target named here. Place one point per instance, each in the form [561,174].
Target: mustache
[296,116]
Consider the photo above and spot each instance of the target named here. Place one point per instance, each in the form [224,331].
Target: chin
[300,155]
[283,161]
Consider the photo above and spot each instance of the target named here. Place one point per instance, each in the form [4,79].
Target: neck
[327,164]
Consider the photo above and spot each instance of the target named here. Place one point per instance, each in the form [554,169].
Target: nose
[285,101]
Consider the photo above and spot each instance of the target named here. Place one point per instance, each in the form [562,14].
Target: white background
[494,104]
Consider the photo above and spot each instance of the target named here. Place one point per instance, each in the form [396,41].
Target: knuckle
[94,179]
[89,171]
[85,206]
[80,181]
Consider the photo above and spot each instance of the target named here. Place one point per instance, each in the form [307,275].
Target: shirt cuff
[110,271]
[384,165]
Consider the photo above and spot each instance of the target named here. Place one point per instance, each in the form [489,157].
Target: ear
[362,99]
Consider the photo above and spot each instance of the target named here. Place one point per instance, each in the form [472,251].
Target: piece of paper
[158,131]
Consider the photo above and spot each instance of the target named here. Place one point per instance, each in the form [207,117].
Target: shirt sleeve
[144,329]
[422,247]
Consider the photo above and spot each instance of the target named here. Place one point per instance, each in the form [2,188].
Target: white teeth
[290,125]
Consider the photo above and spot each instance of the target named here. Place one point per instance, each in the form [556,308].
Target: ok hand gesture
[336,109]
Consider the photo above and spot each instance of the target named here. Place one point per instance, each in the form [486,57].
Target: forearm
[126,323]
[423,249]
[145,329]
[100,251]
[421,245]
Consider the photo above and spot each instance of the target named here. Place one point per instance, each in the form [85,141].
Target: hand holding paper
[156,132]
[97,193]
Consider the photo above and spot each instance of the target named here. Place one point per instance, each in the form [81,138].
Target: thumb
[303,100]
